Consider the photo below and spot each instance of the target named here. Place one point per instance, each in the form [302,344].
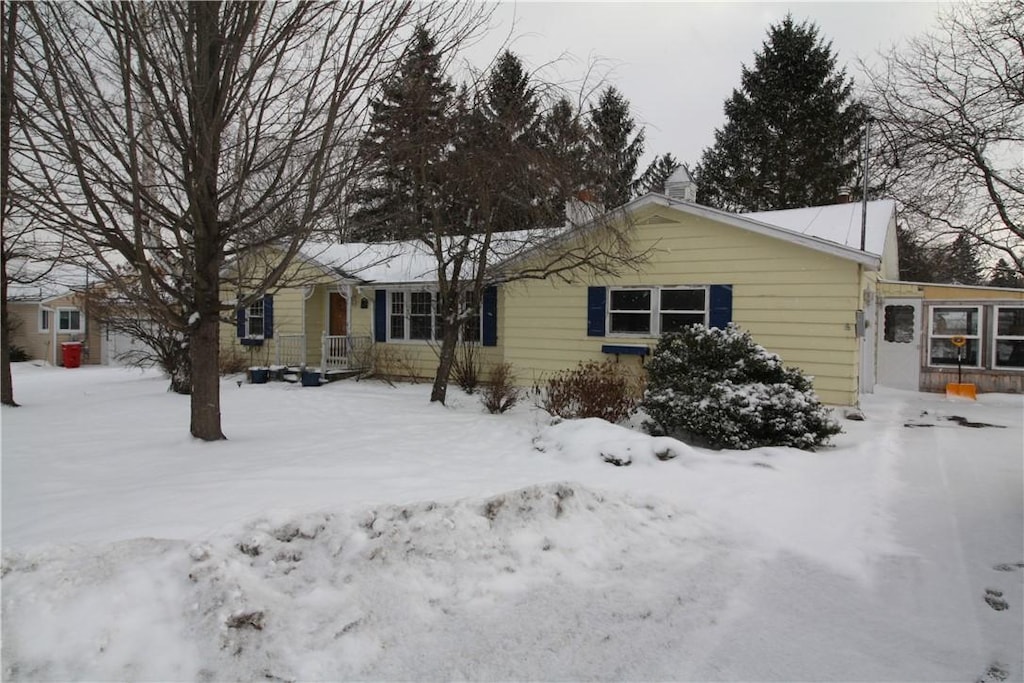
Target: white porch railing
[340,352]
[290,349]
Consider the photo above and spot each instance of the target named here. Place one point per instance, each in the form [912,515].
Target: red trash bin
[71,352]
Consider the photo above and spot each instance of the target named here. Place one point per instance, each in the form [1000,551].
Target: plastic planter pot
[259,375]
[310,378]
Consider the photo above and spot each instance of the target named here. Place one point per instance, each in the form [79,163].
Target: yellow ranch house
[815,285]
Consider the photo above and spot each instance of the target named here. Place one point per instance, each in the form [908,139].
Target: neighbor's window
[69,320]
[44,320]
[254,320]
[948,322]
[656,310]
[1009,337]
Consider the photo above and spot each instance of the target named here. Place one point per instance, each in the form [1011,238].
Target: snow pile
[383,593]
[583,440]
[356,531]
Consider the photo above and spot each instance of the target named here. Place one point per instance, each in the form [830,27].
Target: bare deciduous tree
[950,113]
[175,136]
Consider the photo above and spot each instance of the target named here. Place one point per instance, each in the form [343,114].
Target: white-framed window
[254,320]
[651,311]
[45,315]
[1008,338]
[947,322]
[69,320]
[415,316]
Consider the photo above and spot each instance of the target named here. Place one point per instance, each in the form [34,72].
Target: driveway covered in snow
[353,531]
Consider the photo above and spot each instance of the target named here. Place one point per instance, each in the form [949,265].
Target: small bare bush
[501,393]
[232,363]
[592,389]
[466,367]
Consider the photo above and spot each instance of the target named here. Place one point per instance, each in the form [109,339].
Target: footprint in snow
[994,598]
[1009,566]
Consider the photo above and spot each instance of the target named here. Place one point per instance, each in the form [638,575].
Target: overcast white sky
[677,62]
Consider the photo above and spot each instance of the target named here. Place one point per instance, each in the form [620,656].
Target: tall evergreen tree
[409,134]
[1004,275]
[615,148]
[963,266]
[792,130]
[563,142]
[509,130]
[654,177]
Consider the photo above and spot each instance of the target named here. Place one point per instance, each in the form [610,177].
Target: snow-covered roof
[38,281]
[413,262]
[680,175]
[385,262]
[839,223]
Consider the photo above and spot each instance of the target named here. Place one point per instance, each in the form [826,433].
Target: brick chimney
[844,195]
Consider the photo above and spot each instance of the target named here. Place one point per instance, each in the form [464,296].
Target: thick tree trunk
[10,11]
[6,382]
[204,346]
[449,346]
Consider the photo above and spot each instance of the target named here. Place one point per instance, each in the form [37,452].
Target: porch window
[44,320]
[1009,337]
[948,322]
[69,320]
[899,324]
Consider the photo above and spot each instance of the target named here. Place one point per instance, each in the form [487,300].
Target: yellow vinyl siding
[795,301]
[415,359]
[290,311]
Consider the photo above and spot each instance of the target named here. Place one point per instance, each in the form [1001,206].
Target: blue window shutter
[597,298]
[380,315]
[721,306]
[489,315]
[240,318]
[268,316]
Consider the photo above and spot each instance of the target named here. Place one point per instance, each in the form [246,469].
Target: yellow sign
[958,342]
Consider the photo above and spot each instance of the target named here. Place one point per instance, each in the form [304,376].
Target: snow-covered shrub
[592,389]
[720,388]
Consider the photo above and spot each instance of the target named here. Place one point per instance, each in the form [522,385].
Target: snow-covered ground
[354,531]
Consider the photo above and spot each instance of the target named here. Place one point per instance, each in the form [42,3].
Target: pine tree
[509,124]
[918,262]
[1003,275]
[792,131]
[563,142]
[614,148]
[658,171]
[963,265]
[409,134]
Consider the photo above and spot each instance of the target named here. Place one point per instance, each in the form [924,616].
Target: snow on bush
[719,387]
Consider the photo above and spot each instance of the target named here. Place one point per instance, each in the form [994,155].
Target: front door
[899,344]
[338,316]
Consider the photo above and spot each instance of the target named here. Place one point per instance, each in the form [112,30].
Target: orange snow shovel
[960,390]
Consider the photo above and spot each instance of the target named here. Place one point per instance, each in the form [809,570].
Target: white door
[899,344]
